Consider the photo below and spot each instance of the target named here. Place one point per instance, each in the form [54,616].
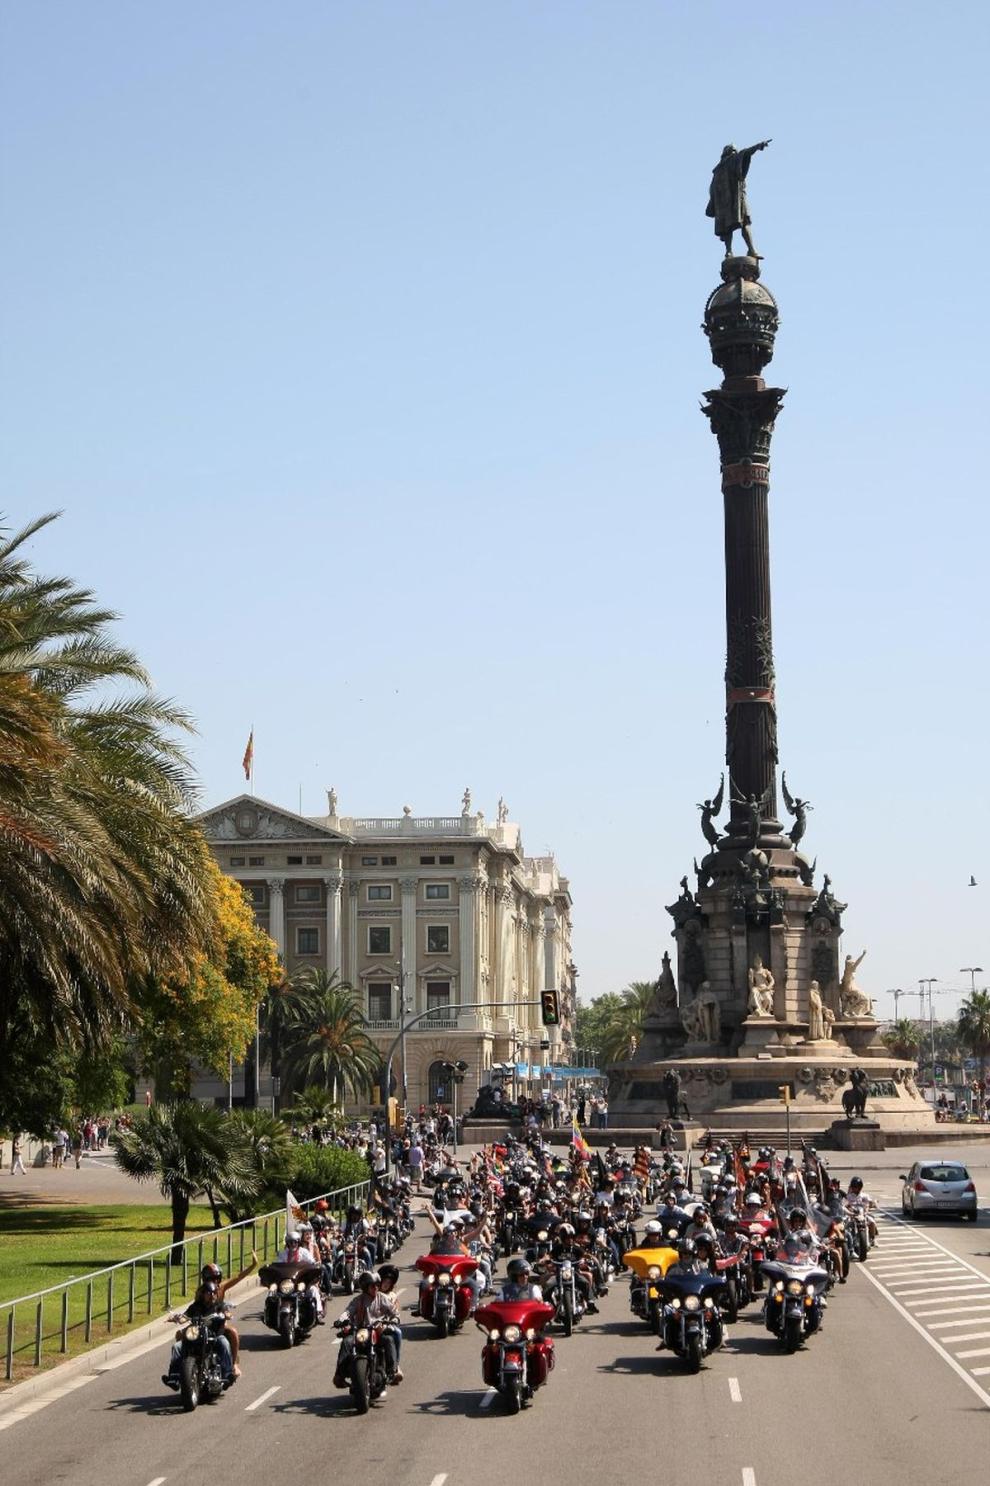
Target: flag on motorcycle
[293,1212]
[578,1141]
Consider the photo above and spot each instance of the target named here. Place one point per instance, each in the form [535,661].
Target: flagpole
[252,760]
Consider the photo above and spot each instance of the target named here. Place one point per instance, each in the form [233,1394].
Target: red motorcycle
[446,1298]
[517,1357]
[758,1230]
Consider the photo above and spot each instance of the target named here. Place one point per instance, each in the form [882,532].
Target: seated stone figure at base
[761,988]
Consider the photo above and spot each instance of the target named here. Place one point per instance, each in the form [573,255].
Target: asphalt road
[897,1387]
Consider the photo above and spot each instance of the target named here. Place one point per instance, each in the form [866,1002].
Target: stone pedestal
[761,1034]
[858,1135]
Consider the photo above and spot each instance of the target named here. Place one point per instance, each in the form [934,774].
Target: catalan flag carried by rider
[578,1141]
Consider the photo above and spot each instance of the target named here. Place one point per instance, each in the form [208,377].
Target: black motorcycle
[289,1307]
[346,1266]
[691,1322]
[362,1362]
[565,1296]
[794,1305]
[201,1378]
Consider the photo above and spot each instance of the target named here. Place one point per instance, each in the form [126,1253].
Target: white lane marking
[749,1476]
[158,1481]
[953,1325]
[488,1399]
[932,1341]
[969,1287]
[970,1336]
[942,1249]
[735,1392]
[980,1372]
[941,1269]
[979,1303]
[259,1401]
[439,1480]
[976,1352]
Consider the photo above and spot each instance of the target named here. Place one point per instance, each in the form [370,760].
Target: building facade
[445,915]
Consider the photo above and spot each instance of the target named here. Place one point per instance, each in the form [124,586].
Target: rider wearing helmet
[518,1285]
[687,1258]
[372,1307]
[856,1196]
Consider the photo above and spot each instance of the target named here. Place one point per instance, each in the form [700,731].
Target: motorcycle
[758,1231]
[289,1308]
[346,1266]
[732,1268]
[507,1234]
[565,1297]
[858,1230]
[361,1362]
[201,1377]
[446,1299]
[794,1304]
[649,1267]
[516,1358]
[691,1324]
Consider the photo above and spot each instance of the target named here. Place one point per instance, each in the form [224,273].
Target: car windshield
[944,1174]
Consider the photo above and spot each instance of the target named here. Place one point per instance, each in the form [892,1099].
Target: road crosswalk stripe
[978,1302]
[970,1336]
[978,1352]
[951,1325]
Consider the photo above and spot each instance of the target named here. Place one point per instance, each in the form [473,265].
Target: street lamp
[972,971]
[404,1008]
[897,994]
[929,981]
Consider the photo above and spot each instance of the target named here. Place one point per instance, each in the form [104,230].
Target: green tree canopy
[974,1026]
[326,1041]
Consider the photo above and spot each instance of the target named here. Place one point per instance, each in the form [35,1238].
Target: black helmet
[857,1182]
[686,1249]
[518,1269]
[367,1278]
[797,1215]
[211,1272]
[354,1212]
[389,1272]
[318,1224]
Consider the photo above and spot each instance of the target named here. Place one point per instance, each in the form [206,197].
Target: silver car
[938,1187]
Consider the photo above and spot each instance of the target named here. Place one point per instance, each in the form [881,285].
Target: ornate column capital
[353,888]
[468,884]
[276,886]
[333,882]
[408,885]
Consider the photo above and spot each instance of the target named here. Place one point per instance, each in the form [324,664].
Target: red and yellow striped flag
[247,761]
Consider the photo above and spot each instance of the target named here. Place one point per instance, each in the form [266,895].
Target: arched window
[439,1083]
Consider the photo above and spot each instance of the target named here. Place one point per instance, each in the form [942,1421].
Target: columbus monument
[761,996]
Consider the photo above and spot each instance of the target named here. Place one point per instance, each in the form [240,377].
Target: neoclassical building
[442,911]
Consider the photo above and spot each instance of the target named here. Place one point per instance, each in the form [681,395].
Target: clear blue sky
[360,344]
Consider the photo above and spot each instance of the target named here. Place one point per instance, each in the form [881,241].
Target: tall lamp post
[897,993]
[930,981]
[972,971]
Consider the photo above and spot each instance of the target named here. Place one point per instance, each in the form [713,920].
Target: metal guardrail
[120,1293]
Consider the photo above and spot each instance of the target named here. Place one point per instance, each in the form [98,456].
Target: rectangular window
[379,1003]
[316,861]
[388,861]
[307,941]
[369,861]
[446,861]
[427,861]
[307,892]
[256,861]
[237,861]
[255,892]
[437,939]
[379,939]
[437,890]
[437,995]
[379,892]
[294,861]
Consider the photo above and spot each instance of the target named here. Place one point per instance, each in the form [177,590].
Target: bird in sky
[972,880]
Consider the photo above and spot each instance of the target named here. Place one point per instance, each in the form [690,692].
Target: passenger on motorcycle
[296,1252]
[518,1284]
[733,1240]
[388,1279]
[700,1224]
[213,1274]
[371,1308]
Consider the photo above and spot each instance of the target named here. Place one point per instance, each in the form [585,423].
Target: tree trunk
[217,1214]
[180,1214]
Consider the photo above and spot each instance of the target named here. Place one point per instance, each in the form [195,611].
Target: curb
[99,1358]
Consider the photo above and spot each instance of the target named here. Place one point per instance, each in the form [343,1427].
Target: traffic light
[550,1008]
[785,1093]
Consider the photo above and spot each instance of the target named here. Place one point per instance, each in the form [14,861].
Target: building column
[333,884]
[353,888]
[467,909]
[276,912]
[408,955]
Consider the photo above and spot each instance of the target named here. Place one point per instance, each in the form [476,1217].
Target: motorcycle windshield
[522,1313]
[458,1266]
[702,1285]
[274,1274]
[640,1261]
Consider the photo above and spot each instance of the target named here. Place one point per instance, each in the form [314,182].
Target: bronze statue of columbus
[727,196]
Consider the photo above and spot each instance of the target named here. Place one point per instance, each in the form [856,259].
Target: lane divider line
[158,1481]
[488,1399]
[263,1399]
[735,1392]
[749,1476]
[439,1480]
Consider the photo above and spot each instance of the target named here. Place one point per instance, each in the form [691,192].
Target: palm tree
[315,1106]
[903,1038]
[281,1009]
[624,1030]
[326,1042]
[270,1145]
[102,873]
[189,1150]
[974,1027]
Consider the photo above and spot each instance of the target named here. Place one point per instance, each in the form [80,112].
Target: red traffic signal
[550,1008]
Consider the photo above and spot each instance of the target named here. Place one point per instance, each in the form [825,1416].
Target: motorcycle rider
[700,1224]
[857,1195]
[687,1259]
[389,1278]
[447,1241]
[206,1302]
[518,1284]
[371,1308]
[564,1248]
[798,1237]
[213,1274]
[296,1252]
[356,1230]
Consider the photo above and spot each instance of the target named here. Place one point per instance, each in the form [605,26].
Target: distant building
[446,910]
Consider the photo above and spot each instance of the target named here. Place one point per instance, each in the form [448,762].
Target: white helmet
[753,1199]
[653,1228]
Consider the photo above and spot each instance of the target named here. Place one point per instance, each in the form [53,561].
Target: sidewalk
[98,1180]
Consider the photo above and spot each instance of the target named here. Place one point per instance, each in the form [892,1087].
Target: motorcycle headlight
[431,1279]
[565,1271]
[301,1288]
[273,1289]
[543,1235]
[675,1304]
[191,1333]
[494,1334]
[512,1333]
[778,1285]
[692,1303]
[286,1287]
[794,1287]
[755,1228]
[809,1290]
[709,1303]
[531,1333]
[443,1279]
[653,1273]
[363,1334]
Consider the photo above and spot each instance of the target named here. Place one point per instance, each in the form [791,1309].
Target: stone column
[353,888]
[408,954]
[467,910]
[333,884]
[276,912]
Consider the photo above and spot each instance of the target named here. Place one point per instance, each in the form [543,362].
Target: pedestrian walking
[77,1147]
[16,1160]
